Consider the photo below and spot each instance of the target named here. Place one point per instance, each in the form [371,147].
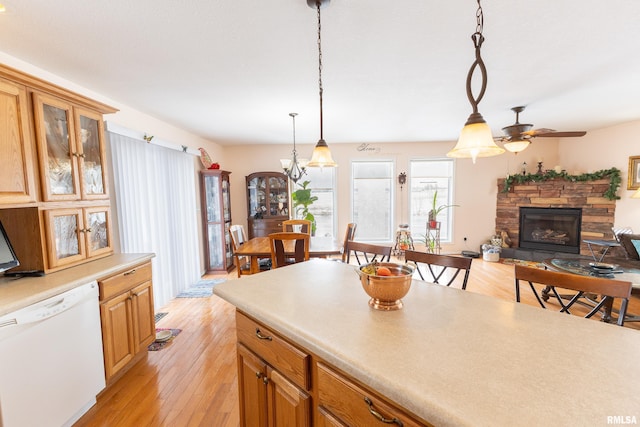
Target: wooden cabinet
[71,150]
[216,219]
[273,378]
[17,177]
[267,202]
[51,239]
[127,315]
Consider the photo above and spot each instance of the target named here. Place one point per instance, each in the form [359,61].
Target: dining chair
[297,225]
[437,265]
[368,252]
[238,237]
[607,289]
[350,234]
[280,257]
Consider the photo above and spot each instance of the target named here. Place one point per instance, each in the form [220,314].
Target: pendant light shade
[475,138]
[321,156]
[517,145]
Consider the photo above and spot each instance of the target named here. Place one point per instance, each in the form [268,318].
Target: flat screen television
[8,257]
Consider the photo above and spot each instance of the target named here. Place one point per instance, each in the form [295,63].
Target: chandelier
[294,168]
[321,156]
[475,138]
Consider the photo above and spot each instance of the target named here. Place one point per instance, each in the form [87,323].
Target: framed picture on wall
[634,173]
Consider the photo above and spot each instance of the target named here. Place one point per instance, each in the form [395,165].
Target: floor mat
[160,316]
[155,346]
[202,289]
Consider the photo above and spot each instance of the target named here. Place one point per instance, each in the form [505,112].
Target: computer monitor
[8,257]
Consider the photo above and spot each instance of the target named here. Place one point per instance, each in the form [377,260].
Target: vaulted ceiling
[393,71]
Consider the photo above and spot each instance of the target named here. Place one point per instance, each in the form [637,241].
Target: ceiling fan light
[321,156]
[517,145]
[475,141]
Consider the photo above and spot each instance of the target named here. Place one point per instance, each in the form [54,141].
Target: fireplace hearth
[550,229]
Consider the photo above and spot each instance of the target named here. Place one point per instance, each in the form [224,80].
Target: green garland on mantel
[613,174]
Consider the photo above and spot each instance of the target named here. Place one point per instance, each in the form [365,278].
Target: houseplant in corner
[435,210]
[302,199]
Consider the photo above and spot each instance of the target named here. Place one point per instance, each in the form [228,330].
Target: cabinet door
[17,182]
[65,236]
[143,314]
[97,231]
[117,333]
[288,405]
[56,148]
[278,196]
[89,136]
[252,374]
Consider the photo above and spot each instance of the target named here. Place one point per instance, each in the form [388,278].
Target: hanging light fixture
[294,168]
[321,156]
[517,145]
[475,138]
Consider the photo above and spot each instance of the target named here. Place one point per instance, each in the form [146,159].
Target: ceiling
[232,70]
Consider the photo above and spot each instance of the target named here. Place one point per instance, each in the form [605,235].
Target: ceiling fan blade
[559,134]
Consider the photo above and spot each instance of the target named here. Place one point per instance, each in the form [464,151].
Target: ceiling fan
[518,136]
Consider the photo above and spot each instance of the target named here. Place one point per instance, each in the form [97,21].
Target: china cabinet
[216,219]
[267,202]
[17,182]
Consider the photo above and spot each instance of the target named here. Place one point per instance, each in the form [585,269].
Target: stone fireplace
[597,213]
[550,229]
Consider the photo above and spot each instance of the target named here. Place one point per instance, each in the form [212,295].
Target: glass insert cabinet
[216,219]
[267,202]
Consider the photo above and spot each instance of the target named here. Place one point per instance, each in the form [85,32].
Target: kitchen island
[449,357]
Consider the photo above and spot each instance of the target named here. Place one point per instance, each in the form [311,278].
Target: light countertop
[17,293]
[452,357]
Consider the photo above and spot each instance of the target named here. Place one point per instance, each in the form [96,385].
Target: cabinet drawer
[277,352]
[124,281]
[354,405]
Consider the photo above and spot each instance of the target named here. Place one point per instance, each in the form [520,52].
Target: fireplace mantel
[598,212]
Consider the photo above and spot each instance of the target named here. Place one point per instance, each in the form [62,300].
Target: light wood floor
[192,381]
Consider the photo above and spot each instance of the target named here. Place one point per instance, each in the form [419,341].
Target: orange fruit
[383,271]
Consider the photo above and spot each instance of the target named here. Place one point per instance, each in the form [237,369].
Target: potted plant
[302,199]
[435,210]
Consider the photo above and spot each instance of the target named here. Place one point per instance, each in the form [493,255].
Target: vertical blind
[155,191]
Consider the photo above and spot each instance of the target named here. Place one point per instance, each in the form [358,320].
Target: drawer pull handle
[128,273]
[379,416]
[262,337]
[265,380]
[258,374]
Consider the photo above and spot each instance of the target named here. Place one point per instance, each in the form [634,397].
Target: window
[322,184]
[372,199]
[427,177]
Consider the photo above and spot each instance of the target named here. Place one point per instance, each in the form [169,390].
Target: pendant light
[475,138]
[517,145]
[321,156]
[293,167]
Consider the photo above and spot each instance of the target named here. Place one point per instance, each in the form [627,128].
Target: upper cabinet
[71,150]
[17,182]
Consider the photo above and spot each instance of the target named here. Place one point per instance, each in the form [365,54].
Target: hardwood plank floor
[193,382]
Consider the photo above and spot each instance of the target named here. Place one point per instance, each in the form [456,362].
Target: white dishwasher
[51,362]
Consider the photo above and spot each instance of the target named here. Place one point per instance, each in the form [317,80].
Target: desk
[258,247]
[582,267]
[608,244]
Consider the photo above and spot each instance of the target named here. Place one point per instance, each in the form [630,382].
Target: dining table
[259,247]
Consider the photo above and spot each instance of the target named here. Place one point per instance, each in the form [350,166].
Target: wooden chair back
[350,234]
[297,226]
[437,265]
[367,252]
[608,289]
[238,237]
[288,248]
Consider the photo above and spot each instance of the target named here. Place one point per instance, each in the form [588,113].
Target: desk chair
[277,243]
[368,252]
[297,225]
[238,237]
[438,264]
[348,235]
[607,288]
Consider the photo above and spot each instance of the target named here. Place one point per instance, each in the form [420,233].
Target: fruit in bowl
[386,283]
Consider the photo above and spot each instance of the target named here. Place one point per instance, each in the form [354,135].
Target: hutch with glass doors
[216,219]
[267,202]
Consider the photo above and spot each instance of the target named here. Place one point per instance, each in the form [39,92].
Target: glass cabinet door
[212,197]
[65,239]
[54,124]
[97,231]
[278,197]
[90,146]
